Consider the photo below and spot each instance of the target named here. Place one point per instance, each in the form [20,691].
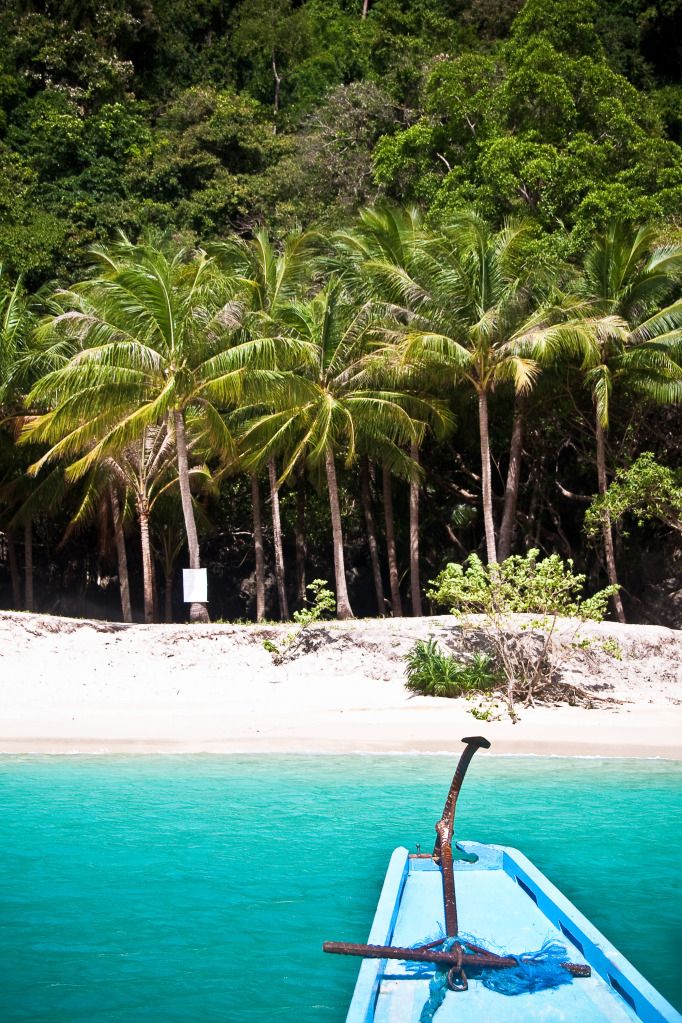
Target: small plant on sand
[486,708]
[321,605]
[433,673]
[547,588]
[273,650]
[613,648]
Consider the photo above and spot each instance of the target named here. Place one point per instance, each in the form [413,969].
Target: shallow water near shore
[200,888]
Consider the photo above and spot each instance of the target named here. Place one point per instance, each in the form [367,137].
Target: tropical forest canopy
[496,332]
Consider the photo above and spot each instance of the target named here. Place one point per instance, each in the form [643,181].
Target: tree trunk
[168,595]
[155,589]
[29,602]
[606,521]
[14,571]
[343,608]
[485,478]
[396,604]
[415,588]
[197,612]
[511,490]
[258,547]
[278,86]
[147,577]
[365,8]
[301,549]
[121,556]
[277,540]
[372,536]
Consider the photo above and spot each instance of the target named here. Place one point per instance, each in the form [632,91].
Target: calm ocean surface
[178,889]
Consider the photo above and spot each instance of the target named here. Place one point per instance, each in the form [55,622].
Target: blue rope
[437,988]
[535,971]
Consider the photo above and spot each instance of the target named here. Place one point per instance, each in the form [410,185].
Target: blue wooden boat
[446,924]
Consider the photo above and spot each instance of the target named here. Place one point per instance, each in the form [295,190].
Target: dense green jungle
[338,290]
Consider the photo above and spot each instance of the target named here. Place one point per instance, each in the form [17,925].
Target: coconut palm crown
[630,338]
[335,405]
[152,336]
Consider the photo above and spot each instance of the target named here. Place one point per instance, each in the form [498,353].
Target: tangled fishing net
[534,971]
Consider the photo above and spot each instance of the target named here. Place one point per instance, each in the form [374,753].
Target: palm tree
[334,406]
[376,258]
[473,316]
[139,477]
[467,306]
[121,553]
[368,512]
[17,321]
[272,278]
[168,535]
[156,337]
[631,342]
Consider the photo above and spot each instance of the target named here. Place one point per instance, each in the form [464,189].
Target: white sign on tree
[194,585]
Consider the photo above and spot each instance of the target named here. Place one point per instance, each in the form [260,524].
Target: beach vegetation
[644,491]
[544,590]
[430,672]
[613,648]
[363,289]
[523,584]
[322,603]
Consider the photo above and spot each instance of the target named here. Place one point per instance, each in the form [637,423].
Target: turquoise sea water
[178,889]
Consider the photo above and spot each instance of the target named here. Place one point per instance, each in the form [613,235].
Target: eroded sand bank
[82,686]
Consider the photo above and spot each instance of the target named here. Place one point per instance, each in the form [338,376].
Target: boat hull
[507,905]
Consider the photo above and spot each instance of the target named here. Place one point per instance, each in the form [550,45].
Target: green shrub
[323,603]
[521,584]
[433,673]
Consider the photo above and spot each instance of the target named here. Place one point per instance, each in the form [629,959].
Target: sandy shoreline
[86,687]
[642,731]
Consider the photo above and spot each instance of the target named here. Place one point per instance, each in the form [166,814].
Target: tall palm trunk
[396,604]
[277,540]
[29,602]
[147,574]
[167,557]
[511,490]
[197,612]
[343,608]
[167,594]
[14,570]
[121,556]
[258,548]
[606,526]
[415,588]
[155,590]
[301,547]
[485,478]
[372,535]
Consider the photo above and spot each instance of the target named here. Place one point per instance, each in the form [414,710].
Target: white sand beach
[71,686]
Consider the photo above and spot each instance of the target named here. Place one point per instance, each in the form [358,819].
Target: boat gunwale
[361,1009]
[641,998]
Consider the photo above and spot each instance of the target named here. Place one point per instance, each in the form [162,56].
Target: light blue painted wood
[364,996]
[506,916]
[611,964]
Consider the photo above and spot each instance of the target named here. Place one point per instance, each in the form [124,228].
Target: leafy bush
[521,584]
[323,603]
[646,490]
[433,673]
